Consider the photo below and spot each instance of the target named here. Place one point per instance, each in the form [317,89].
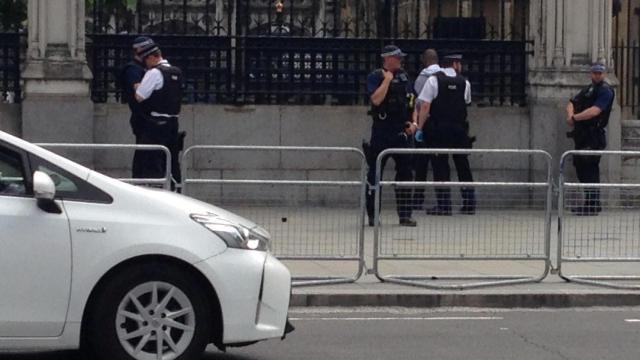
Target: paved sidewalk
[491,233]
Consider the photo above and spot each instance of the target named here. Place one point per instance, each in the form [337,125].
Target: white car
[123,271]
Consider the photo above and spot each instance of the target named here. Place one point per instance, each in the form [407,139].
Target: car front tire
[152,311]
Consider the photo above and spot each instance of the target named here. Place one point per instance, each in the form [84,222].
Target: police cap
[392,50]
[598,68]
[145,46]
[453,57]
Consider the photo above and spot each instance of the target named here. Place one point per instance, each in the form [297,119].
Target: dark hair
[430,56]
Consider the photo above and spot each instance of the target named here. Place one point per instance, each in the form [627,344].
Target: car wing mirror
[43,186]
[44,191]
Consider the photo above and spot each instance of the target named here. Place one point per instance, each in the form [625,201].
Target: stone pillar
[424,8]
[57,105]
[506,27]
[466,7]
[567,40]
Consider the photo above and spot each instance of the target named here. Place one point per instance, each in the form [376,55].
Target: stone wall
[10,119]
[494,127]
[300,126]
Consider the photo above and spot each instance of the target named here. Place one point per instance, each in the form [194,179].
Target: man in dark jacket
[131,75]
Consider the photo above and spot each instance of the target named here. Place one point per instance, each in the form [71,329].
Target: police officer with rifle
[588,114]
[391,96]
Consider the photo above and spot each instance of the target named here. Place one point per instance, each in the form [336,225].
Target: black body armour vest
[586,98]
[167,100]
[395,106]
[449,107]
[590,134]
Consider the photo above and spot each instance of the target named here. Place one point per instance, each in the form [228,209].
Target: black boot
[444,203]
[371,198]
[468,201]
[592,206]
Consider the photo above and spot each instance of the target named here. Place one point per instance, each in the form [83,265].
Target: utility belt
[588,137]
[384,115]
[438,124]
[162,128]
[455,133]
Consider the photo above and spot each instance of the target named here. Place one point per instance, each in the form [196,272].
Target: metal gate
[599,223]
[164,181]
[313,220]
[511,222]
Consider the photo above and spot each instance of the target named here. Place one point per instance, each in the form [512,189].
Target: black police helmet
[145,46]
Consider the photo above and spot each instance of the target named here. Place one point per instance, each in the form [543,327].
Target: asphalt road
[399,333]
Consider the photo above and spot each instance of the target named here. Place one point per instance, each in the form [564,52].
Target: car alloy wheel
[155,320]
[149,311]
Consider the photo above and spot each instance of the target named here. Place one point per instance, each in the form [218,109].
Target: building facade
[273,62]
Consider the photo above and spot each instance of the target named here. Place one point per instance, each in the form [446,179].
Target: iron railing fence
[206,62]
[11,56]
[599,223]
[314,219]
[501,226]
[626,62]
[409,19]
[308,51]
[301,70]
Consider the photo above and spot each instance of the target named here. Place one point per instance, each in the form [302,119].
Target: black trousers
[454,138]
[588,171]
[152,164]
[380,142]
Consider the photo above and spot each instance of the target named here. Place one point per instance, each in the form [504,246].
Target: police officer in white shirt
[443,117]
[160,94]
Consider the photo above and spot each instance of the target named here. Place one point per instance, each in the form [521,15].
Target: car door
[35,255]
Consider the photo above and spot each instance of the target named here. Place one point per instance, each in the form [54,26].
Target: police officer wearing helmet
[442,123]
[391,96]
[160,94]
[588,114]
[130,76]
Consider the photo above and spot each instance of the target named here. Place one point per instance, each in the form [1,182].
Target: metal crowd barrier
[606,231]
[309,220]
[512,223]
[165,181]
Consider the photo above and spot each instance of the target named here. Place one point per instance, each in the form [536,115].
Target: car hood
[192,206]
[150,199]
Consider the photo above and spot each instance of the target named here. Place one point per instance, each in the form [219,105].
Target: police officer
[160,94]
[131,75]
[444,99]
[588,114]
[391,97]
[421,162]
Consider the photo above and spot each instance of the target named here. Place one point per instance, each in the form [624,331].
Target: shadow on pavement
[223,356]
[71,355]
[52,355]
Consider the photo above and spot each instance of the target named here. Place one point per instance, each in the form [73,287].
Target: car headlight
[235,236]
